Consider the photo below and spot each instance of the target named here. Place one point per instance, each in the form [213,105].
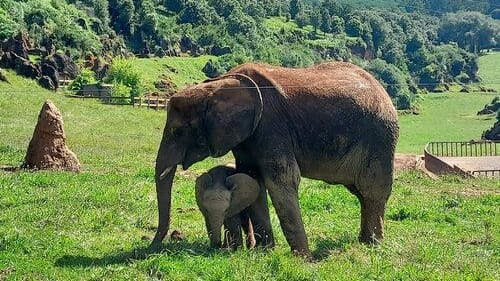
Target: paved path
[474,163]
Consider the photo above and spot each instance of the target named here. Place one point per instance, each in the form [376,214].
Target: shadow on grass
[181,249]
[11,169]
[327,246]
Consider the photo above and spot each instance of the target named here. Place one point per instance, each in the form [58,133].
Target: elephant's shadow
[182,248]
[324,248]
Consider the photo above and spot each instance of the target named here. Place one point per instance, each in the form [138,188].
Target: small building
[96,90]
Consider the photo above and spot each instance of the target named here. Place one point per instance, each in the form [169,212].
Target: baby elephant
[223,197]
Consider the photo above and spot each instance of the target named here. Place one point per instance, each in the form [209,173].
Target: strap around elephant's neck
[260,104]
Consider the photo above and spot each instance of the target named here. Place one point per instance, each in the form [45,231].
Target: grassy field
[187,69]
[490,69]
[89,226]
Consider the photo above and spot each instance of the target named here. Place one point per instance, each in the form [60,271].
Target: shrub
[85,77]
[395,81]
[123,72]
[121,91]
[7,26]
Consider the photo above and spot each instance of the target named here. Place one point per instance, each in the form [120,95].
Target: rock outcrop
[3,77]
[47,149]
[14,55]
[493,133]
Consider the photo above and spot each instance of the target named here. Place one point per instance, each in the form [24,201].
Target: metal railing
[486,173]
[464,149]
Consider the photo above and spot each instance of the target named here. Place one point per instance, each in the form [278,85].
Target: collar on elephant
[260,106]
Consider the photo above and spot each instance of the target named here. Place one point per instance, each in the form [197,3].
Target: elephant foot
[372,221]
[304,254]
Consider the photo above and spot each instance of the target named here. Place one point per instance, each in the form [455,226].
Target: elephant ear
[244,191]
[202,183]
[234,111]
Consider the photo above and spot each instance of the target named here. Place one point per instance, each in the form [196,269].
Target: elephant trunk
[214,231]
[166,165]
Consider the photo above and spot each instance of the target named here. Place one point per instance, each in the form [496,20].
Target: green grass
[88,226]
[490,70]
[451,116]
[275,24]
[189,69]
[444,117]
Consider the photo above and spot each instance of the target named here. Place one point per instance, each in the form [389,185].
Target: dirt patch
[408,162]
[479,191]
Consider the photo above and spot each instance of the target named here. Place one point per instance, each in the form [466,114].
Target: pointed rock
[47,149]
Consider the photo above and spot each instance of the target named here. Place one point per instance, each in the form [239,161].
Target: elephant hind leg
[373,203]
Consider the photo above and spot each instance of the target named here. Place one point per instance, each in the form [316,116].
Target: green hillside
[411,49]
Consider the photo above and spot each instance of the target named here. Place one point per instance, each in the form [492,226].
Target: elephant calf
[223,196]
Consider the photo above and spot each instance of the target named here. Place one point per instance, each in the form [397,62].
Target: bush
[123,72]
[224,64]
[7,26]
[85,77]
[395,81]
[122,92]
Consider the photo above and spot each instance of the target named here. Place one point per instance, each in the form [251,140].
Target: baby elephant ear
[202,183]
[244,191]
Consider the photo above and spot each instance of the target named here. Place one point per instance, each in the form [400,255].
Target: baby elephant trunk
[214,225]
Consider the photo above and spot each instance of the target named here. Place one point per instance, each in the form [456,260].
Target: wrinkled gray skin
[332,122]
[222,196]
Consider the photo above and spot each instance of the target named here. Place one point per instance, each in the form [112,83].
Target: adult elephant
[333,122]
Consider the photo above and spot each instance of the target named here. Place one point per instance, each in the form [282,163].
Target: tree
[326,23]
[147,18]
[197,12]
[337,24]
[174,5]
[122,16]
[239,22]
[7,26]
[395,81]
[470,30]
[353,26]
[302,19]
[295,8]
[315,19]
[101,10]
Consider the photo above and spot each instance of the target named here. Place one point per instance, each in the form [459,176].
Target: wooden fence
[151,102]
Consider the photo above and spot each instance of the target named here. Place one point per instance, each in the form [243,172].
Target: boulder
[217,50]
[18,45]
[3,78]
[47,149]
[47,83]
[49,71]
[26,68]
[493,133]
[64,65]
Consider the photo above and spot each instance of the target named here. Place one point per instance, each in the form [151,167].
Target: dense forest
[410,45]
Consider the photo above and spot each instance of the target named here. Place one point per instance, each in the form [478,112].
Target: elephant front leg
[232,233]
[372,220]
[282,180]
[261,221]
[259,210]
